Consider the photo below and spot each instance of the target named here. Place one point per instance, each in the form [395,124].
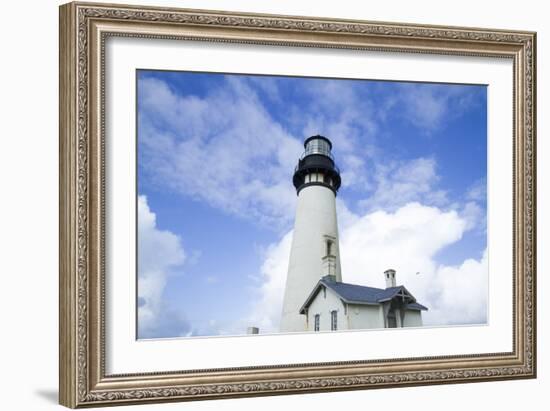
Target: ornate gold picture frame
[84,30]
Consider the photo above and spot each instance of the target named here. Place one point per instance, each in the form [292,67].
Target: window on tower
[329,247]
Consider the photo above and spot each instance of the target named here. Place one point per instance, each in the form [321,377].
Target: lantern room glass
[317,146]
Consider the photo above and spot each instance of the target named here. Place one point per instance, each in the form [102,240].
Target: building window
[334,320]
[329,247]
[317,320]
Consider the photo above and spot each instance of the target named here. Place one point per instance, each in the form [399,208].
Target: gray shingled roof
[415,306]
[360,294]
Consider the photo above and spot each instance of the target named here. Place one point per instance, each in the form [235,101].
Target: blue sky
[216,155]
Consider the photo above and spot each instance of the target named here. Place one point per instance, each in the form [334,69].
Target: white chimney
[389,276]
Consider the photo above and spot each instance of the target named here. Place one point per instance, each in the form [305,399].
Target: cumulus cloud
[464,291]
[159,253]
[266,311]
[406,240]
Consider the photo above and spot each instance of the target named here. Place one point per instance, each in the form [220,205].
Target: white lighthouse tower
[315,251]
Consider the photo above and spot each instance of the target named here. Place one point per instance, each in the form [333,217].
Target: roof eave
[360,302]
[311,297]
[419,307]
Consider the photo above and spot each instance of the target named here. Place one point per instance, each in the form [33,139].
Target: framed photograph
[261,205]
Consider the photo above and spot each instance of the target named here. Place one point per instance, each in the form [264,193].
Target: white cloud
[478,191]
[474,210]
[400,182]
[406,240]
[159,252]
[463,297]
[475,216]
[349,118]
[268,86]
[266,311]
[428,106]
[424,108]
[223,149]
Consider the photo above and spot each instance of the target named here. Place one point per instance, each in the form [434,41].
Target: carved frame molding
[84,27]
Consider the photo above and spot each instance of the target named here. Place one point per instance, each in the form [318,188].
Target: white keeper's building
[315,297]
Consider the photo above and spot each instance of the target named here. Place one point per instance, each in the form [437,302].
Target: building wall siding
[353,316]
[412,318]
[323,306]
[365,317]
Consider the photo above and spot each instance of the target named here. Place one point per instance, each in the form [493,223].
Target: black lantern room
[316,166]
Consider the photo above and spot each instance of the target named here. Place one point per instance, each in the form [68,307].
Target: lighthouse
[316,298]
[315,250]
